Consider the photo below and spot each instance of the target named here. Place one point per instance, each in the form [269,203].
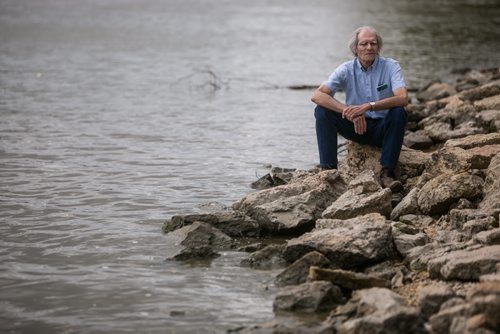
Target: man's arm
[400,99]
[322,97]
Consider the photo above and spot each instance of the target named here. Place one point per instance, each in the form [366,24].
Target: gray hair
[353,42]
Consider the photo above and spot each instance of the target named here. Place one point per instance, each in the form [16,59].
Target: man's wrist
[372,106]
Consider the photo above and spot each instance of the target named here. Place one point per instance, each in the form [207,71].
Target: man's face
[367,47]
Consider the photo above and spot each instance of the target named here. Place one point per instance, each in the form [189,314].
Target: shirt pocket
[384,91]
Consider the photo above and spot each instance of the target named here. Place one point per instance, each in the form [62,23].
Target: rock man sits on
[373,113]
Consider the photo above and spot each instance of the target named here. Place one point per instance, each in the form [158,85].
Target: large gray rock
[196,241]
[491,202]
[451,159]
[377,310]
[477,314]
[437,195]
[268,257]
[484,301]
[294,214]
[418,257]
[347,279]
[431,297]
[408,205]
[351,243]
[474,141]
[441,321]
[308,297]
[465,265]
[293,208]
[492,102]
[489,120]
[417,140]
[300,186]
[442,131]
[364,195]
[365,157]
[298,271]
[233,223]
[405,242]
[479,93]
[459,217]
[490,237]
[435,91]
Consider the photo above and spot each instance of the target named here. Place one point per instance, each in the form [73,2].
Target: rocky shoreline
[361,259]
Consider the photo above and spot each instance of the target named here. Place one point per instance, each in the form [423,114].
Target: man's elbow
[315,98]
[405,102]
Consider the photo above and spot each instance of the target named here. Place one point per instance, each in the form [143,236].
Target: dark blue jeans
[387,133]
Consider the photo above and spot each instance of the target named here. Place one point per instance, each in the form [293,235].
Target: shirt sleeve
[336,81]
[397,79]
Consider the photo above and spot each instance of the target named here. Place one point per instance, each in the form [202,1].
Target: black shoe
[388,180]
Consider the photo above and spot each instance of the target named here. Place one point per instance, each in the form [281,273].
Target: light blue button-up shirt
[361,86]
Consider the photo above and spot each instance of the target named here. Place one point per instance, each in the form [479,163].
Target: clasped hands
[356,114]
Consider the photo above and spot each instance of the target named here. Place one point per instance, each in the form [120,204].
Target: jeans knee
[398,114]
[321,113]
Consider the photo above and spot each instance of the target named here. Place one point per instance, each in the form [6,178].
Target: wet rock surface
[360,259]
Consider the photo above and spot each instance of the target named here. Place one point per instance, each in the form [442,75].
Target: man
[373,112]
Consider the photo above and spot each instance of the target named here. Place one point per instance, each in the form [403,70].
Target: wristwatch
[372,105]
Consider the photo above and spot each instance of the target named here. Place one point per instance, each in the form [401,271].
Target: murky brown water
[115,115]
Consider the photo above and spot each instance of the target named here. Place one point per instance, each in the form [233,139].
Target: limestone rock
[492,102]
[492,174]
[347,279]
[485,307]
[491,202]
[437,195]
[458,217]
[233,223]
[409,205]
[294,214]
[298,271]
[351,243]
[417,112]
[198,240]
[308,297]
[431,297]
[266,258]
[419,221]
[479,93]
[364,157]
[298,187]
[442,131]
[364,195]
[417,258]
[489,120]
[418,140]
[441,321]
[474,141]
[405,242]
[455,160]
[435,91]
[293,208]
[477,314]
[465,265]
[379,310]
[490,237]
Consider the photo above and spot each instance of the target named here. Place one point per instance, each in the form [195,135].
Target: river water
[117,114]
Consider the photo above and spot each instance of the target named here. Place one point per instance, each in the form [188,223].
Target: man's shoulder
[389,61]
[347,65]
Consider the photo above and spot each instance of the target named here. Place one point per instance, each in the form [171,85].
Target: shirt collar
[372,66]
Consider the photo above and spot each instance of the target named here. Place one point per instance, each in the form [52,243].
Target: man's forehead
[367,35]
